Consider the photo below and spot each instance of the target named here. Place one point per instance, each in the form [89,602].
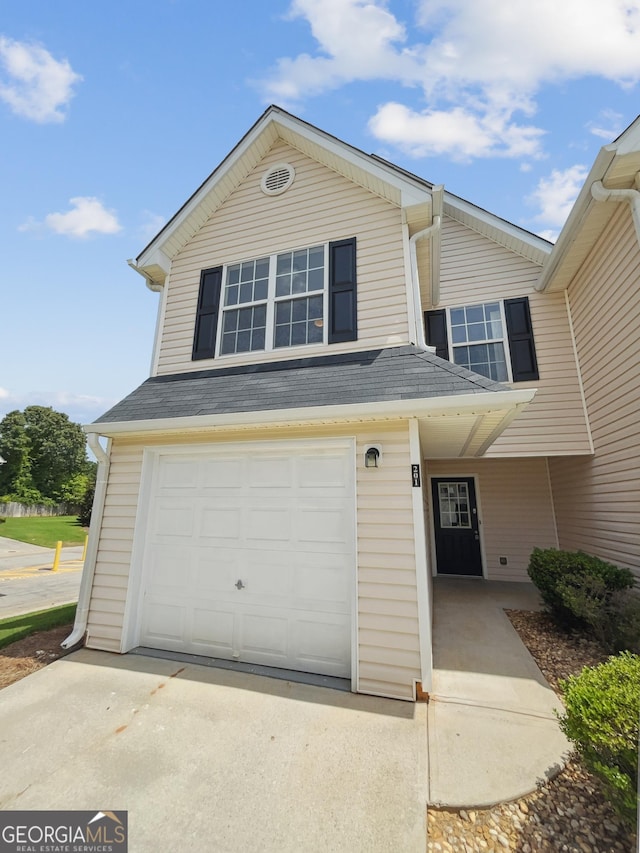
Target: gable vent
[277,179]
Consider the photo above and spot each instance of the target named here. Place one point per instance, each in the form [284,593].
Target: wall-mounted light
[372,457]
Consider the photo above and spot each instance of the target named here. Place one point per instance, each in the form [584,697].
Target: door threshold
[315,680]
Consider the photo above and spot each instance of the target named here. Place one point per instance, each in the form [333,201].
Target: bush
[584,591]
[84,516]
[602,721]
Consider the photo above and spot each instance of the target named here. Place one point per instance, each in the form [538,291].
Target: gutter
[480,402]
[430,231]
[86,582]
[152,284]
[601,193]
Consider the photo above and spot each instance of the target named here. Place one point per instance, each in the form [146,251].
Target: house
[361,381]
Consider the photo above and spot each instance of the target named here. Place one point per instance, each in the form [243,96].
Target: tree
[45,451]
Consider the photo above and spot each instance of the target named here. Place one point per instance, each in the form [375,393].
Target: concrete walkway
[493,735]
[27,582]
[209,760]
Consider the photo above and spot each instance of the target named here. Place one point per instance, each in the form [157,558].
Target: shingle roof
[398,373]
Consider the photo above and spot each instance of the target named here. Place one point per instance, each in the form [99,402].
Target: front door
[457,535]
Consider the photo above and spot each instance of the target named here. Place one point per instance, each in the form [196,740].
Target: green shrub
[578,588]
[602,721]
[84,516]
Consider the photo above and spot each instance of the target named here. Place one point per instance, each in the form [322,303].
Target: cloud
[87,216]
[475,64]
[151,224]
[609,125]
[34,84]
[458,132]
[556,194]
[81,408]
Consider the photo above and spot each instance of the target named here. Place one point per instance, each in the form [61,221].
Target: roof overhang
[616,166]
[450,427]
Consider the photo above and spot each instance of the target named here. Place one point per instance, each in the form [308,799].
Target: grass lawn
[44,530]
[17,627]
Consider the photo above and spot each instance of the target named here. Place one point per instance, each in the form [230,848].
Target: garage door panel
[213,630]
[223,473]
[323,645]
[270,472]
[220,523]
[177,473]
[249,555]
[170,520]
[164,622]
[321,471]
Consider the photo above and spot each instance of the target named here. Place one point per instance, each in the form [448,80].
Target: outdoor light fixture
[371,457]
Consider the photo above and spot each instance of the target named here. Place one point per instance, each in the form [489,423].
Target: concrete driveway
[210,760]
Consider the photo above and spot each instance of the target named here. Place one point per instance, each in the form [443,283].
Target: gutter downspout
[86,582]
[429,231]
[601,193]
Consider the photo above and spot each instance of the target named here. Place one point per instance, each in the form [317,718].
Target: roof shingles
[398,373]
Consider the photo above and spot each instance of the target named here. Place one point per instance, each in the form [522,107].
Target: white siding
[389,659]
[474,270]
[514,507]
[320,206]
[598,499]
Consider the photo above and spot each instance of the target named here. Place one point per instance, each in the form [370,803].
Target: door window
[453,500]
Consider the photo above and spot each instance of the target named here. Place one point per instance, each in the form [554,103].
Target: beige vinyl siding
[388,645]
[598,499]
[475,270]
[113,560]
[320,206]
[514,507]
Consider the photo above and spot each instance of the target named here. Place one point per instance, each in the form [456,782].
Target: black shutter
[343,321]
[524,366]
[435,330]
[204,339]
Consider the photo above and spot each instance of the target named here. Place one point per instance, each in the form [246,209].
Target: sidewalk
[493,735]
[27,582]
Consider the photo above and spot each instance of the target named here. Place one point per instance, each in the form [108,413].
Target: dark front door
[456,526]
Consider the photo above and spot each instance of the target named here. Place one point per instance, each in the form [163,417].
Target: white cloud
[151,224]
[476,63]
[81,408]
[609,125]
[87,216]
[457,132]
[33,83]
[556,194]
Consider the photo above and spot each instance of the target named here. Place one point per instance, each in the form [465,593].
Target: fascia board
[479,403]
[579,212]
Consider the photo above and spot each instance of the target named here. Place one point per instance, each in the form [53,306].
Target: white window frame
[271,302]
[504,340]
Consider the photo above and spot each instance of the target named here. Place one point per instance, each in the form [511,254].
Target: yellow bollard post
[56,559]
[84,550]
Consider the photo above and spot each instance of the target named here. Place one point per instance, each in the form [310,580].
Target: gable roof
[379,176]
[616,167]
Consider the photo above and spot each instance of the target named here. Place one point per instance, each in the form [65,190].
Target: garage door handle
[239,585]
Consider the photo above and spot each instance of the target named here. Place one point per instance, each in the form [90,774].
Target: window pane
[233,274]
[299,321]
[246,292]
[316,257]
[316,279]
[300,260]
[260,291]
[458,334]
[283,285]
[262,268]
[299,282]
[475,314]
[230,321]
[476,332]
[283,263]
[247,270]
[231,295]
[457,316]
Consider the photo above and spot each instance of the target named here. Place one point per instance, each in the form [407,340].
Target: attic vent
[277,179]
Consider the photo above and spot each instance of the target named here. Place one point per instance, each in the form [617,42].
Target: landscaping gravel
[570,813]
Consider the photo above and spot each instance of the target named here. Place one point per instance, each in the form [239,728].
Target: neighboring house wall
[387,598]
[320,206]
[515,509]
[598,499]
[474,269]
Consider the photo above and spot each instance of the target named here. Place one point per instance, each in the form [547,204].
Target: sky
[112,114]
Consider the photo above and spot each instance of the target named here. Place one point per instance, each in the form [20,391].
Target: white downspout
[601,193]
[419,235]
[86,582]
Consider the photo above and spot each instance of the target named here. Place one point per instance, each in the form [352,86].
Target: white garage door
[249,555]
